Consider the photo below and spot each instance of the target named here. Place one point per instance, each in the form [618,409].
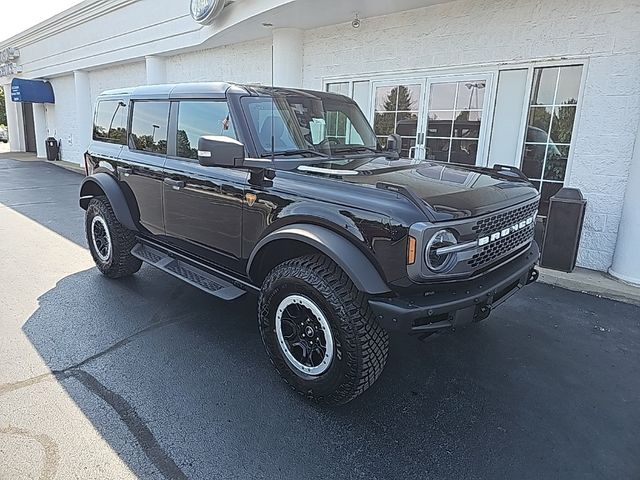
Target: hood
[451,191]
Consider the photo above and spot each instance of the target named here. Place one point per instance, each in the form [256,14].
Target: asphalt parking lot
[149,377]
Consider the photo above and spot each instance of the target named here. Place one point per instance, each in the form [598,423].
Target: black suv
[288,194]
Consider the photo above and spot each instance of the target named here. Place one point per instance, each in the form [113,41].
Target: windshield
[308,125]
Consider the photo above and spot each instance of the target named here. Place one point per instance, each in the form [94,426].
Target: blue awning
[32,91]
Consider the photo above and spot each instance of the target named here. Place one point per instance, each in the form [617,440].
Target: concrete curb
[592,282]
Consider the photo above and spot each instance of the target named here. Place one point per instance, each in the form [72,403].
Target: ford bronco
[289,194]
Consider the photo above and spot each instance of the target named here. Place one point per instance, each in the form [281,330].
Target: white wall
[606,34]
[248,62]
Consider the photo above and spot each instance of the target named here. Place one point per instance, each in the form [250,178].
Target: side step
[195,276]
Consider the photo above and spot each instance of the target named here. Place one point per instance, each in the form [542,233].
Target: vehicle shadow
[187,379]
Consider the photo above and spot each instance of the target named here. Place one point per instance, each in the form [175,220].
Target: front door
[440,118]
[202,205]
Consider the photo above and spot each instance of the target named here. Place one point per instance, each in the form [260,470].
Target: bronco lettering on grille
[506,231]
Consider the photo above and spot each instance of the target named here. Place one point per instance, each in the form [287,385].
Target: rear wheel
[319,330]
[109,241]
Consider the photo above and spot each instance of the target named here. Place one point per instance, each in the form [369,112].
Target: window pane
[556,165]
[533,160]
[467,124]
[548,191]
[569,85]
[407,124]
[110,122]
[438,149]
[562,125]
[197,119]
[341,88]
[442,96]
[470,95]
[149,126]
[540,121]
[440,123]
[407,143]
[401,97]
[361,95]
[464,151]
[384,123]
[544,85]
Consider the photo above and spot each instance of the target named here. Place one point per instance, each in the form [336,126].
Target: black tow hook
[533,276]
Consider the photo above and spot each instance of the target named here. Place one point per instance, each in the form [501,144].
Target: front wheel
[319,330]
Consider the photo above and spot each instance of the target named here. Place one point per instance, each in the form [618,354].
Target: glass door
[397,107]
[455,120]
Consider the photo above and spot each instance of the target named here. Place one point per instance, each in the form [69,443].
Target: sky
[22,14]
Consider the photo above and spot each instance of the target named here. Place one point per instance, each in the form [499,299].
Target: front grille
[495,250]
[495,223]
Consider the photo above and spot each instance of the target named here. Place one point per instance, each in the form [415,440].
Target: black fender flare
[114,194]
[353,262]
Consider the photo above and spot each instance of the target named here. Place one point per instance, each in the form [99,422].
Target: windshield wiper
[355,148]
[289,153]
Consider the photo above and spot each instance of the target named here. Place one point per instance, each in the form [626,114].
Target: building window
[396,111]
[552,113]
[110,122]
[149,126]
[197,119]
[453,121]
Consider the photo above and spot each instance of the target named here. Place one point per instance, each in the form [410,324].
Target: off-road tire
[120,262]
[361,345]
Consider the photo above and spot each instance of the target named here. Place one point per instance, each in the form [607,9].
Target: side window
[110,122]
[200,118]
[149,126]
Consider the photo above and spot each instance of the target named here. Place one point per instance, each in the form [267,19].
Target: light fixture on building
[267,24]
[205,11]
[356,21]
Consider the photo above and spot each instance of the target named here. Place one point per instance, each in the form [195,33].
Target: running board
[195,276]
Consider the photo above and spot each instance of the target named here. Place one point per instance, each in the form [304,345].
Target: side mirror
[220,151]
[394,143]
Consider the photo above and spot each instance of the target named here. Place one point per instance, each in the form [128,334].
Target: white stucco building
[551,87]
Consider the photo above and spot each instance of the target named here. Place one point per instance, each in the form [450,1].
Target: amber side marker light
[411,251]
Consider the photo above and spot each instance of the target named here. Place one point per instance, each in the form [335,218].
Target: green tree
[3,111]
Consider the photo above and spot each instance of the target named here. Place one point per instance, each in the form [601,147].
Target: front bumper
[459,303]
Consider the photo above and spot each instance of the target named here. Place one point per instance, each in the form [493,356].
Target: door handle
[125,171]
[175,184]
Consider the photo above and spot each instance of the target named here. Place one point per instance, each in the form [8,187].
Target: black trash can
[563,230]
[53,148]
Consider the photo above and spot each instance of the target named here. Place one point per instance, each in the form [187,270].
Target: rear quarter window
[110,122]
[149,123]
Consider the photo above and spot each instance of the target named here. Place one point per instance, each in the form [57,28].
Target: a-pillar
[626,259]
[14,121]
[156,70]
[288,57]
[40,127]
[84,125]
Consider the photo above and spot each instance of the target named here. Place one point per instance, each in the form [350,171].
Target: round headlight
[440,263]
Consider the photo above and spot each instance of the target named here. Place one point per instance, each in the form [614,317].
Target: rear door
[202,205]
[142,160]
